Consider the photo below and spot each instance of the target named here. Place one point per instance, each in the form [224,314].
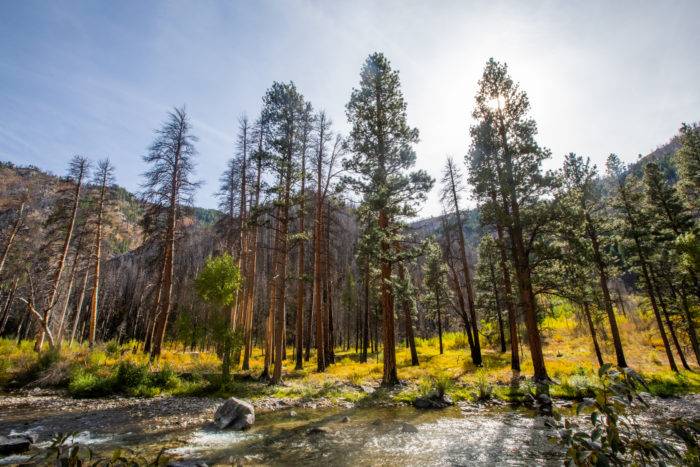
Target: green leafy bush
[112,348]
[130,375]
[84,383]
[615,438]
[165,378]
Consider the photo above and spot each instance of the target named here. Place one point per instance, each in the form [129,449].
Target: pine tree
[64,216]
[583,195]
[688,162]
[627,201]
[381,142]
[451,196]
[670,222]
[436,288]
[103,179]
[250,278]
[489,290]
[283,111]
[167,189]
[306,127]
[507,163]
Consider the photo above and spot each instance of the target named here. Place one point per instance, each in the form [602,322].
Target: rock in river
[15,444]
[236,414]
[433,400]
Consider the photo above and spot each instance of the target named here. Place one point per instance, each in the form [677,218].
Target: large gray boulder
[235,414]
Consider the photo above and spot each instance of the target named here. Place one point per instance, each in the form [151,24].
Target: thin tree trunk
[318,230]
[607,301]
[61,263]
[408,321]
[690,327]
[652,298]
[439,317]
[8,305]
[71,281]
[300,268]
[308,334]
[669,323]
[508,287]
[252,268]
[390,376]
[589,320]
[281,270]
[365,321]
[79,306]
[501,333]
[13,233]
[272,302]
[457,288]
[476,353]
[328,286]
[98,260]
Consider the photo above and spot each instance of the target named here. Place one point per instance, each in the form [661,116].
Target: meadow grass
[112,368]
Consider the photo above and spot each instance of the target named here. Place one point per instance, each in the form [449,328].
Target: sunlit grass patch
[568,352]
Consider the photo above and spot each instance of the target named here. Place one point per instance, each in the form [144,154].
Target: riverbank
[113,369]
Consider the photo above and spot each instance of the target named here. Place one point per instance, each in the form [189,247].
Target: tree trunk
[501,333]
[512,315]
[589,320]
[8,305]
[669,323]
[652,298]
[79,306]
[390,375]
[476,349]
[300,269]
[13,233]
[71,281]
[607,301]
[365,321]
[281,270]
[457,288]
[328,285]
[161,322]
[318,230]
[270,321]
[61,263]
[96,275]
[690,327]
[439,317]
[251,281]
[408,321]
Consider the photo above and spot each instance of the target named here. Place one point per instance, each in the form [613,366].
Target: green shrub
[130,376]
[165,378]
[484,388]
[112,348]
[83,383]
[47,359]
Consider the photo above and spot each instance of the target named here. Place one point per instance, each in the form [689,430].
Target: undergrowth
[113,368]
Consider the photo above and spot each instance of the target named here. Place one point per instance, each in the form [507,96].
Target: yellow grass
[567,348]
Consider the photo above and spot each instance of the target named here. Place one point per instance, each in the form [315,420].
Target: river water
[465,435]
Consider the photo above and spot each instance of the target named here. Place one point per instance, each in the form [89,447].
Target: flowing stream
[465,435]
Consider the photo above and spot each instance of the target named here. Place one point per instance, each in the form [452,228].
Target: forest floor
[112,369]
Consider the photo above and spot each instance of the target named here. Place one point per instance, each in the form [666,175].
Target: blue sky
[97,77]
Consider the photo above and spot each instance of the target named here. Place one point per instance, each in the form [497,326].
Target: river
[468,434]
